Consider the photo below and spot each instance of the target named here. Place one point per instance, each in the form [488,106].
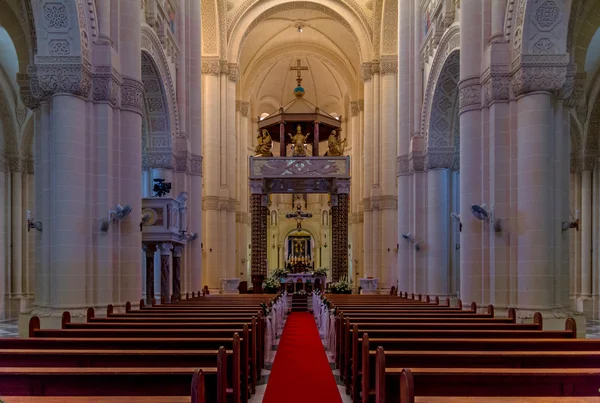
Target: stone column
[18,223]
[149,250]
[282,149]
[405,112]
[195,135]
[343,209]
[129,151]
[376,189]
[177,251]
[438,234]
[368,268]
[586,242]
[389,152]
[211,151]
[165,257]
[498,12]
[231,271]
[471,180]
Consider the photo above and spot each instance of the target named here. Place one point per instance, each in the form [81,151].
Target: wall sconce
[273,246]
[349,246]
[410,239]
[249,246]
[31,223]
[202,246]
[116,214]
[572,223]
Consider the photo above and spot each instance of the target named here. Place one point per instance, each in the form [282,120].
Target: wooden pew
[198,395]
[242,366]
[485,382]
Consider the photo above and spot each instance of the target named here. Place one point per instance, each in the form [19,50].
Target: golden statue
[263,149]
[336,146]
[298,141]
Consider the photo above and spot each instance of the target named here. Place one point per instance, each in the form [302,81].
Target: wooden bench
[489,382]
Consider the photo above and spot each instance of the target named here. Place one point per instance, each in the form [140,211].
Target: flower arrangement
[271,285]
[278,273]
[301,292]
[341,287]
[266,310]
[321,271]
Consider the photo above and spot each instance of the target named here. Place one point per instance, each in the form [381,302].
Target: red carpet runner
[301,371]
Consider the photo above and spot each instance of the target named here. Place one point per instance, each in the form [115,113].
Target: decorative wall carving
[63,74]
[469,94]
[106,84]
[245,108]
[390,27]
[211,67]
[402,165]
[196,165]
[540,73]
[209,27]
[389,66]
[365,72]
[132,92]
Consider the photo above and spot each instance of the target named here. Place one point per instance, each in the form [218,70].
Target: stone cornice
[365,72]
[531,73]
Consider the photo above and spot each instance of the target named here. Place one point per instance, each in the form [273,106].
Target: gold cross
[299,69]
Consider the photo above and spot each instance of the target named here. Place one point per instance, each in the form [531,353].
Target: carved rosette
[132,95]
[469,94]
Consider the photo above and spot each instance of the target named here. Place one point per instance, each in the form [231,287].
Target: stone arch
[14,25]
[335,10]
[151,46]
[585,15]
[591,135]
[449,44]
[158,150]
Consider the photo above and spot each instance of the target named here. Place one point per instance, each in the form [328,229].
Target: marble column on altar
[165,257]
[177,251]
[149,251]
[316,139]
[340,207]
[282,149]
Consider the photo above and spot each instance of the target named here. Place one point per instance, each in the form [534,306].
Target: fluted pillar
[165,270]
[196,135]
[471,149]
[177,252]
[438,232]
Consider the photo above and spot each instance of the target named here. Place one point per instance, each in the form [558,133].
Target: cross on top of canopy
[301,112]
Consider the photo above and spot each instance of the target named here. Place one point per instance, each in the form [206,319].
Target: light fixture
[31,223]
[410,239]
[481,213]
[456,217]
[299,26]
[116,214]
[572,223]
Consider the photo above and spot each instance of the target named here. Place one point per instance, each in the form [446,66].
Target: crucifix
[298,215]
[299,67]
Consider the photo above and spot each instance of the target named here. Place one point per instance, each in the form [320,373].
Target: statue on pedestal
[298,141]
[336,146]
[263,148]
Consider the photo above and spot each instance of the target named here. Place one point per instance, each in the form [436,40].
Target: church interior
[218,200]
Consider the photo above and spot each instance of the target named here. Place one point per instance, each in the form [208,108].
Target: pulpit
[164,230]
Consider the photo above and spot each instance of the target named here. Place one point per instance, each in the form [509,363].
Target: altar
[303,281]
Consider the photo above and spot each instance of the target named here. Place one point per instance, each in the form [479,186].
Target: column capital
[245,109]
[583,161]
[107,83]
[342,186]
[375,67]
[195,165]
[165,248]
[496,84]
[540,73]
[365,72]
[132,95]
[402,165]
[440,158]
[177,250]
[469,94]
[233,72]
[257,187]
[354,108]
[389,66]
[211,66]
[361,104]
